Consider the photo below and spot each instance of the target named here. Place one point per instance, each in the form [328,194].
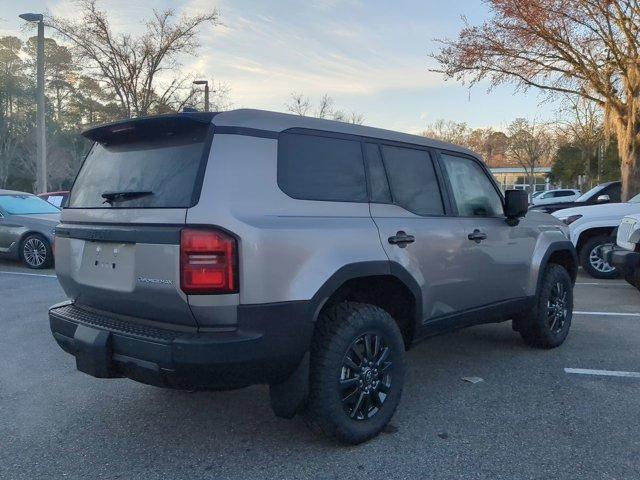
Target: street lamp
[41,176]
[206,92]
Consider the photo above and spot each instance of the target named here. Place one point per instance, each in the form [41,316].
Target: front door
[6,234]
[497,255]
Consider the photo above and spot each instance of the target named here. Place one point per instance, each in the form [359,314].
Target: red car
[59,199]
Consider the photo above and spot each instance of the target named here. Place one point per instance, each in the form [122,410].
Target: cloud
[267,54]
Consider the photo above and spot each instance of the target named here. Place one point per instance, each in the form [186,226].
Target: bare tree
[530,146]
[586,48]
[325,107]
[132,66]
[301,105]
[449,131]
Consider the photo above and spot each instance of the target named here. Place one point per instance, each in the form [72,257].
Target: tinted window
[413,180]
[167,166]
[473,192]
[25,205]
[614,192]
[321,168]
[564,193]
[377,176]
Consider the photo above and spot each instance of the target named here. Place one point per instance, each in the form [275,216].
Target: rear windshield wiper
[110,197]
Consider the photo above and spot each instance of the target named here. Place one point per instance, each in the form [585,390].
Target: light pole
[41,176]
[206,92]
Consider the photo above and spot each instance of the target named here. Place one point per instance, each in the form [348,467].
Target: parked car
[590,230]
[625,256]
[57,199]
[608,192]
[535,194]
[27,226]
[555,196]
[302,253]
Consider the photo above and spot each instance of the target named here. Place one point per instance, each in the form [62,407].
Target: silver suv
[216,251]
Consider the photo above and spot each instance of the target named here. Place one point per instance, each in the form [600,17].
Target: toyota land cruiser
[216,251]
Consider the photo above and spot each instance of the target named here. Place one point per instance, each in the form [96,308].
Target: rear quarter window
[168,164]
[313,167]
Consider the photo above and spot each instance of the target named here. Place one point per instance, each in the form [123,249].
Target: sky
[371,56]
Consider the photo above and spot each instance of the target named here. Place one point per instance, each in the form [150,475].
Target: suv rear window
[167,163]
[321,168]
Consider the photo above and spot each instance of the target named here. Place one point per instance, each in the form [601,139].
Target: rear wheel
[592,258]
[356,372]
[547,326]
[35,252]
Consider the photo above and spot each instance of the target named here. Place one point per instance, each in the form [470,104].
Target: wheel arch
[562,253]
[375,282]
[588,233]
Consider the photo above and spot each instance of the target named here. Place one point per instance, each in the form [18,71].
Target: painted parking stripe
[606,373]
[29,274]
[610,284]
[608,314]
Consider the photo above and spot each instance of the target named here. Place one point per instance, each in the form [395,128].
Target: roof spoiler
[147,127]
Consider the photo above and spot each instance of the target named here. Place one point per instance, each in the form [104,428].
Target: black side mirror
[516,203]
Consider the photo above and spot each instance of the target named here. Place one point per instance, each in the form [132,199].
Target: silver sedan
[27,225]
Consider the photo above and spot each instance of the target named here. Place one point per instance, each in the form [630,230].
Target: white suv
[556,196]
[626,255]
[590,230]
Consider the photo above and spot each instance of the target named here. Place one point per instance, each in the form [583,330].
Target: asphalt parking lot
[527,419]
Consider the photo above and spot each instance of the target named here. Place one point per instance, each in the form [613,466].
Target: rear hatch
[118,246]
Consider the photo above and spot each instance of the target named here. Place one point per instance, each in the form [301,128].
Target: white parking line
[609,314]
[609,284]
[607,373]
[29,274]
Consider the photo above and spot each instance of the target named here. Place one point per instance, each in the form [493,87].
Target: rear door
[414,227]
[496,255]
[118,247]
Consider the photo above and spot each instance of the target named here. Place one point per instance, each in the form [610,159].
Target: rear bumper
[624,260]
[628,263]
[266,347]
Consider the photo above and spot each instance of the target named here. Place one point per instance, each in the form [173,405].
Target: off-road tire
[535,327]
[585,252]
[338,329]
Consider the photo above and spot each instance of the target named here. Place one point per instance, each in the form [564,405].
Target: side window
[614,192]
[413,180]
[321,168]
[564,193]
[377,177]
[473,192]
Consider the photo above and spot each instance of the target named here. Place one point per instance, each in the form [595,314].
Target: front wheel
[547,326]
[592,257]
[356,372]
[35,252]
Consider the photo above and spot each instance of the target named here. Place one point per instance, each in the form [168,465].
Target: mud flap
[288,398]
[93,351]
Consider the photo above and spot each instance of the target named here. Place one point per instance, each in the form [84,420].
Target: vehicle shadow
[242,419]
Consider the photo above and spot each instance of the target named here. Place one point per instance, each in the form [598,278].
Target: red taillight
[207,262]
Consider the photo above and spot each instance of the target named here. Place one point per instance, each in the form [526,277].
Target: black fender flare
[558,246]
[366,269]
